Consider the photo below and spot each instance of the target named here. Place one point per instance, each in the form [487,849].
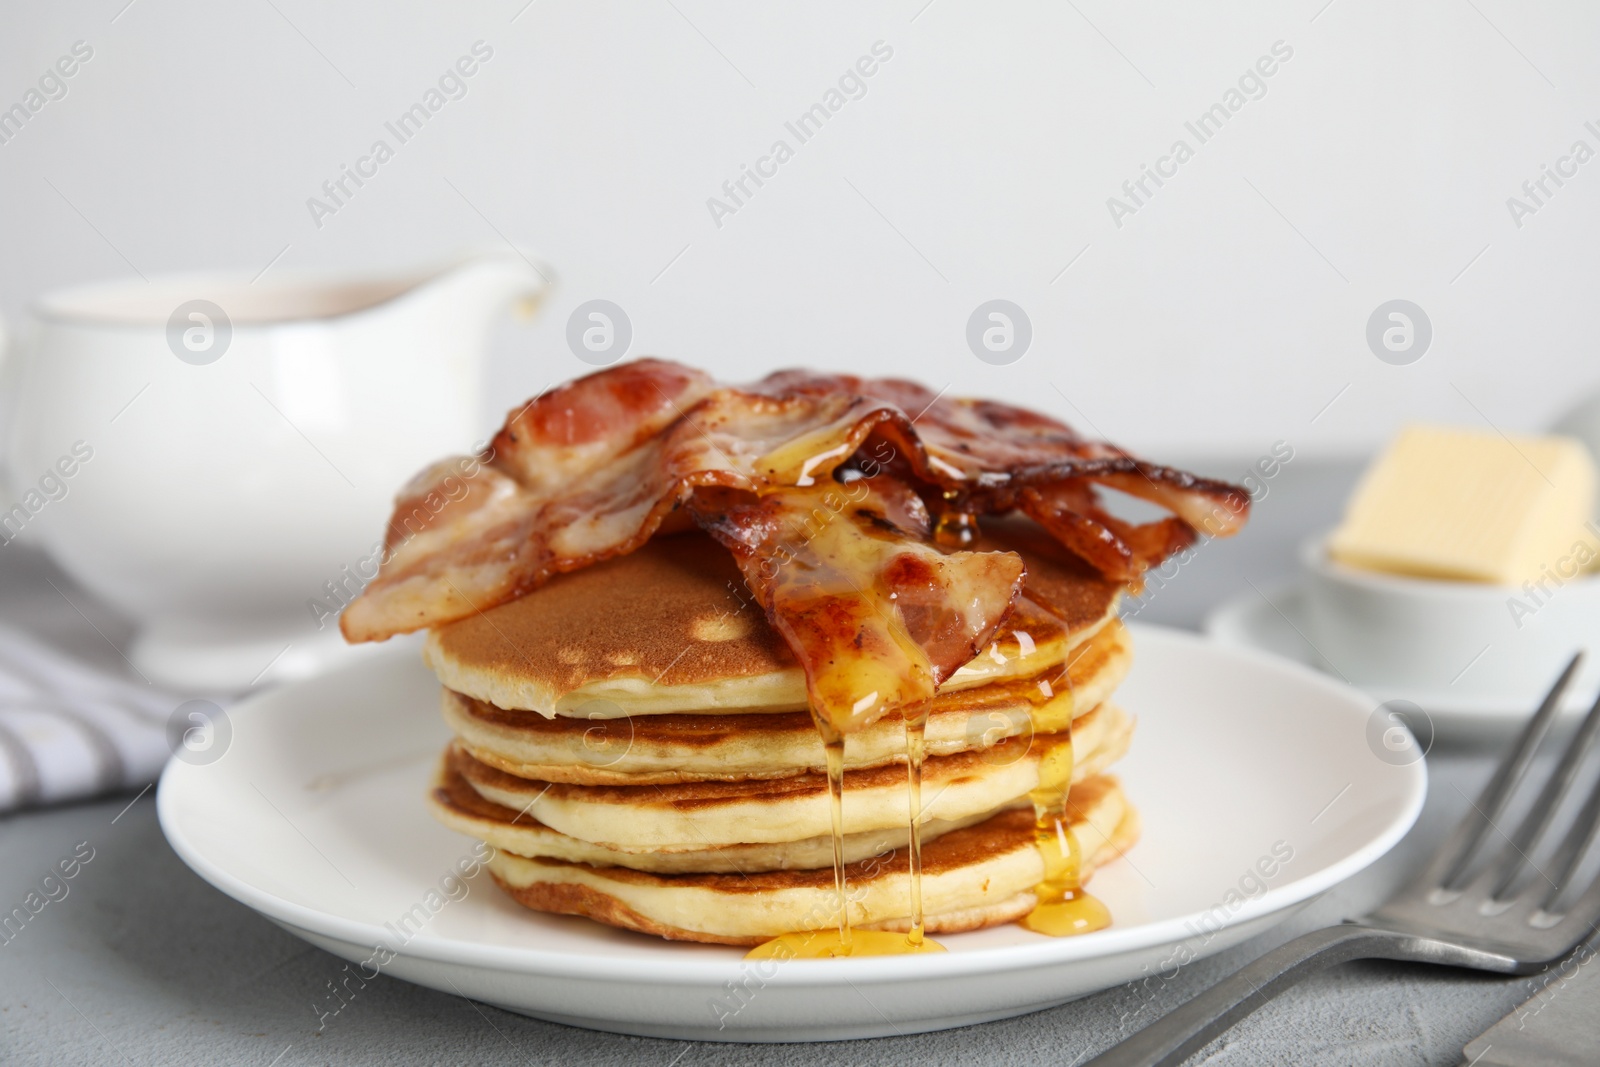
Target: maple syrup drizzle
[842,940]
[853,687]
[1063,906]
[916,731]
[956,529]
[900,674]
[824,945]
[833,749]
[1063,909]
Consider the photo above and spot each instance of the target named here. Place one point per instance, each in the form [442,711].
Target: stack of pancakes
[633,740]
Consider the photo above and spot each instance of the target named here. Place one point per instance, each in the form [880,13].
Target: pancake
[684,747]
[604,595]
[973,877]
[694,816]
[671,627]
[457,805]
[633,739]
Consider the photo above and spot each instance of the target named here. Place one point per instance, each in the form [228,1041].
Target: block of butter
[1473,506]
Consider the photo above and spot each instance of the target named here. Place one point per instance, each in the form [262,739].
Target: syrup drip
[1063,908]
[824,945]
[842,940]
[833,748]
[878,667]
[956,529]
[916,730]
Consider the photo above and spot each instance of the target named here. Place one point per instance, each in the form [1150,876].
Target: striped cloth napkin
[70,731]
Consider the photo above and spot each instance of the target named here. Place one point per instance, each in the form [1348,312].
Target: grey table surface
[143,963]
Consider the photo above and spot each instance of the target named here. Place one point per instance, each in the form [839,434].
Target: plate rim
[1046,953]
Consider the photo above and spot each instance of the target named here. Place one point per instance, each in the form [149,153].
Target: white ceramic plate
[314,817]
[1276,622]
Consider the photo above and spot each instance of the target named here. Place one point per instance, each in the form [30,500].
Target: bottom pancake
[973,877]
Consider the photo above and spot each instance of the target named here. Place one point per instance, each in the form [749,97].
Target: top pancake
[672,627]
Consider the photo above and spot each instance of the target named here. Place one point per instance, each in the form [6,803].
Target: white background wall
[1224,315]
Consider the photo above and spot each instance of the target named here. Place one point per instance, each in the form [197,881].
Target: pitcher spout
[473,290]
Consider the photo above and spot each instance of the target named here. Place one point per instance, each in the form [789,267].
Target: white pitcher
[216,457]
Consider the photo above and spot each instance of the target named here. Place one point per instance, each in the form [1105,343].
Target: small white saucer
[1276,621]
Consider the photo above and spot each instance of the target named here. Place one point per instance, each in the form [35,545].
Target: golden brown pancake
[633,739]
[671,627]
[694,816]
[972,877]
[680,746]
[484,803]
[457,805]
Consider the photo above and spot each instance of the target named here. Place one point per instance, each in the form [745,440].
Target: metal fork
[1503,915]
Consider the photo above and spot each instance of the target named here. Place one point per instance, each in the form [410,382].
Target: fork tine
[1454,856]
[1510,863]
[1565,862]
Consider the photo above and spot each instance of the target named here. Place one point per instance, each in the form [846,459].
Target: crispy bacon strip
[1119,550]
[592,469]
[576,475]
[849,566]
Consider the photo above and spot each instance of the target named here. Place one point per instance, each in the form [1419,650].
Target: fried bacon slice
[576,475]
[596,467]
[849,566]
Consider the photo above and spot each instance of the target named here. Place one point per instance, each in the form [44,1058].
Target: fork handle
[1175,1036]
